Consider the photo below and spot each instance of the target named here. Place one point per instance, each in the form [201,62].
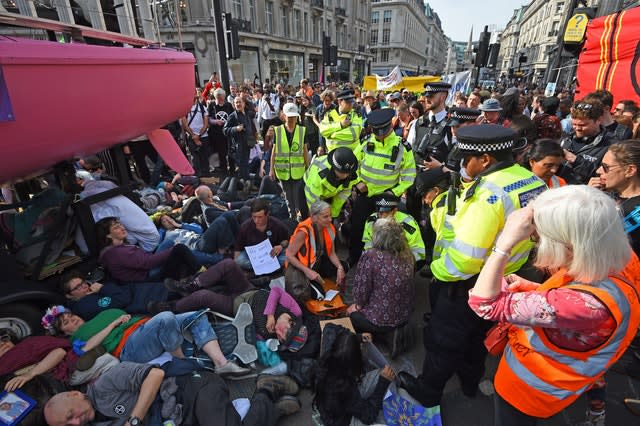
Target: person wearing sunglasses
[585,147]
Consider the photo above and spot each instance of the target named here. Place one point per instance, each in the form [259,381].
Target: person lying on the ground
[124,396]
[275,313]
[89,299]
[260,227]
[141,230]
[173,232]
[35,355]
[129,263]
[140,338]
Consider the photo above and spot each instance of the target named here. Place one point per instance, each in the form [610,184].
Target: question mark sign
[579,18]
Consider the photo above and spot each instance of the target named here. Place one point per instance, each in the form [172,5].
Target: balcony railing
[361,48]
[340,11]
[317,3]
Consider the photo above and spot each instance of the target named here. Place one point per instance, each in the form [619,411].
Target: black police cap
[485,138]
[387,202]
[346,95]
[429,179]
[380,117]
[435,87]
[462,115]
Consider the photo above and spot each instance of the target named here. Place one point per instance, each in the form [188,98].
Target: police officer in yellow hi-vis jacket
[386,165]
[387,206]
[290,159]
[342,126]
[454,338]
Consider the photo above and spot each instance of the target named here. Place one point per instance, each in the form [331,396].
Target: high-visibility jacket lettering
[335,135]
[411,232]
[541,379]
[482,209]
[307,255]
[319,187]
[289,159]
[386,165]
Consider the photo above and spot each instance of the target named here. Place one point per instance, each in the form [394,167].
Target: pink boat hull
[76,99]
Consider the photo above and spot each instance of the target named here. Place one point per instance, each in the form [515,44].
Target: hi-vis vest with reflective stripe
[411,232]
[335,135]
[541,379]
[380,170]
[441,225]
[319,188]
[289,160]
[307,253]
[482,209]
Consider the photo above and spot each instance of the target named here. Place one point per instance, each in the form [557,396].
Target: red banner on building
[610,56]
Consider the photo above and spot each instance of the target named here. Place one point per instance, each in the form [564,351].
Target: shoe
[593,419]
[633,405]
[87,360]
[287,405]
[155,308]
[469,390]
[184,286]
[276,370]
[277,385]
[232,369]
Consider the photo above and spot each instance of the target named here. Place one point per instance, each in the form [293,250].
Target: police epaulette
[324,173]
[406,144]
[410,229]
[372,218]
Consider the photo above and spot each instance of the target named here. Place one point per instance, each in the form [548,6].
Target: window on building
[387,16]
[284,12]
[306,26]
[559,7]
[374,37]
[329,26]
[297,21]
[252,13]
[315,26]
[374,52]
[386,35]
[375,17]
[384,55]
[237,8]
[268,11]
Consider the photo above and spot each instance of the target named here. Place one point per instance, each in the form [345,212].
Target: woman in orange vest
[566,332]
[312,246]
[544,159]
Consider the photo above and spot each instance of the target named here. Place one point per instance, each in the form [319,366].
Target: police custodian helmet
[343,160]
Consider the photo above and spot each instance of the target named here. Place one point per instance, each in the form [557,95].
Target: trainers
[287,405]
[593,418]
[184,286]
[277,385]
[155,308]
[232,369]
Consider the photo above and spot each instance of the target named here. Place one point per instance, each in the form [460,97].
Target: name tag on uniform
[528,196]
[389,166]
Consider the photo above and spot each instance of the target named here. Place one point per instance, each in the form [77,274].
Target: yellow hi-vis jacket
[289,160]
[335,135]
[319,185]
[482,210]
[411,232]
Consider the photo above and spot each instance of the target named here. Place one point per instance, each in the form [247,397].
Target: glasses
[583,106]
[607,167]
[77,286]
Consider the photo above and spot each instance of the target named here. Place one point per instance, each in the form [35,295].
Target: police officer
[289,159]
[387,206]
[330,178]
[342,127]
[453,337]
[386,164]
[431,135]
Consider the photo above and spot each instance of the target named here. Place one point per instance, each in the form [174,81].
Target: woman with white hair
[565,333]
[383,285]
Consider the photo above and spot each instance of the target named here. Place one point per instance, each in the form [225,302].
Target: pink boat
[59,100]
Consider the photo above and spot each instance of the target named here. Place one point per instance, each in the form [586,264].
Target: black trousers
[294,190]
[454,339]
[362,208]
[506,414]
[181,263]
[200,156]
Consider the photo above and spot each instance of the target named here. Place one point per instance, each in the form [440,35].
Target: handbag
[497,338]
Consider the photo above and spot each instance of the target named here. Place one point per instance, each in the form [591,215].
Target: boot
[184,286]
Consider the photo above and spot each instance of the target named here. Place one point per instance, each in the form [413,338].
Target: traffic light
[494,49]
[483,48]
[326,47]
[231,37]
[333,56]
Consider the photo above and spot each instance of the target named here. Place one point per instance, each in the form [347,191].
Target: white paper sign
[260,259]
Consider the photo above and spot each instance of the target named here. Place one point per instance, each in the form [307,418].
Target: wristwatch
[134,421]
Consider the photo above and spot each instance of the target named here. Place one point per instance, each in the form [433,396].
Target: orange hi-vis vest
[539,378]
[307,253]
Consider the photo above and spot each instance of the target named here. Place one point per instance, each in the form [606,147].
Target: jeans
[163,333]
[220,235]
[243,260]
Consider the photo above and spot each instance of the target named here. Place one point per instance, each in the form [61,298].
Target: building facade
[398,31]
[508,57]
[437,43]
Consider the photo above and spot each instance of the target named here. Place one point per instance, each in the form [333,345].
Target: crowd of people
[518,208]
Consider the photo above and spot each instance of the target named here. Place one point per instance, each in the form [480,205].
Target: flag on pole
[459,83]
[388,81]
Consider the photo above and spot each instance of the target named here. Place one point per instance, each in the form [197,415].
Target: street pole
[557,59]
[222,49]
